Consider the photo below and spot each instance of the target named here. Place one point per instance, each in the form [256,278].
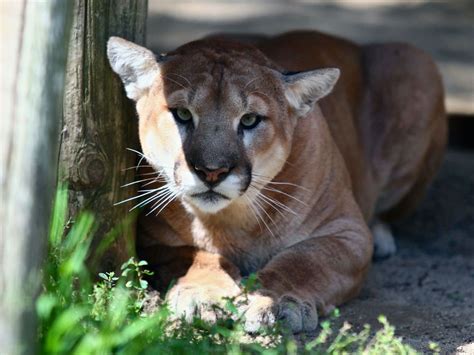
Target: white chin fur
[229,187]
[210,207]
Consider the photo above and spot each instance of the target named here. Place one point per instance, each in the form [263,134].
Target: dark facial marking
[217,72]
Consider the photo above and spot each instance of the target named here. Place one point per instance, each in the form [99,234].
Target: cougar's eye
[250,120]
[182,115]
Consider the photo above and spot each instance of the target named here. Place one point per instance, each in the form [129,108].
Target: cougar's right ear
[136,66]
[303,89]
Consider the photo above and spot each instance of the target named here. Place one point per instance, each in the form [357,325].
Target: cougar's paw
[384,243]
[190,300]
[264,311]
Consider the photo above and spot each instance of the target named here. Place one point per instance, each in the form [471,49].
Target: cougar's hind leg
[384,241]
[406,123]
[423,170]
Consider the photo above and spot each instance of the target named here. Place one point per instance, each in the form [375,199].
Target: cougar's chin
[208,201]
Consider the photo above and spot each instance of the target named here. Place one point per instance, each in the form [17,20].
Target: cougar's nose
[210,175]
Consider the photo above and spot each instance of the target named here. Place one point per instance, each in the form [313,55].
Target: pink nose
[212,175]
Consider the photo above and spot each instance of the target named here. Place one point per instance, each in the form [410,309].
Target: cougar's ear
[136,66]
[303,89]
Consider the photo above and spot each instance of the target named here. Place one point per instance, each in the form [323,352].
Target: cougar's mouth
[210,196]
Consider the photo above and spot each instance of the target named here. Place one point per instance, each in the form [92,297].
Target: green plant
[78,315]
[346,341]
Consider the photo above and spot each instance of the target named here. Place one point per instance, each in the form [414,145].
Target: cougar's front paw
[264,311]
[190,300]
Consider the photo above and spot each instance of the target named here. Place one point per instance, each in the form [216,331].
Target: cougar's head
[216,118]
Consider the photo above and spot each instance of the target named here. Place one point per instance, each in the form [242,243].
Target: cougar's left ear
[136,66]
[303,89]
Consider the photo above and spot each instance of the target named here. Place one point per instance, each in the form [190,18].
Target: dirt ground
[427,289]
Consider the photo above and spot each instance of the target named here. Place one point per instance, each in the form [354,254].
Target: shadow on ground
[427,289]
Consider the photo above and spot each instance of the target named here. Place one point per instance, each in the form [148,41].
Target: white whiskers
[256,209]
[151,180]
[260,204]
[159,197]
[164,201]
[262,186]
[268,181]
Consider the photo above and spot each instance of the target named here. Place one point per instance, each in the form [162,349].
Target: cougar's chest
[248,252]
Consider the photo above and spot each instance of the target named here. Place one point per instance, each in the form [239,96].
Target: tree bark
[99,122]
[34,38]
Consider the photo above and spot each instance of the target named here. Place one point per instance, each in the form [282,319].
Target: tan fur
[366,150]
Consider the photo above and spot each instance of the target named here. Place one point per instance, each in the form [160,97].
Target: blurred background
[445,29]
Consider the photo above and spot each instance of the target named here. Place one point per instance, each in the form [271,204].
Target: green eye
[250,120]
[182,115]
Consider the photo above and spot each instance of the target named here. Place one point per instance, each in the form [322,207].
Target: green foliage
[346,341]
[78,315]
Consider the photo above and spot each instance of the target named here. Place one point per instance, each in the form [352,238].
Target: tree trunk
[100,122]
[34,38]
